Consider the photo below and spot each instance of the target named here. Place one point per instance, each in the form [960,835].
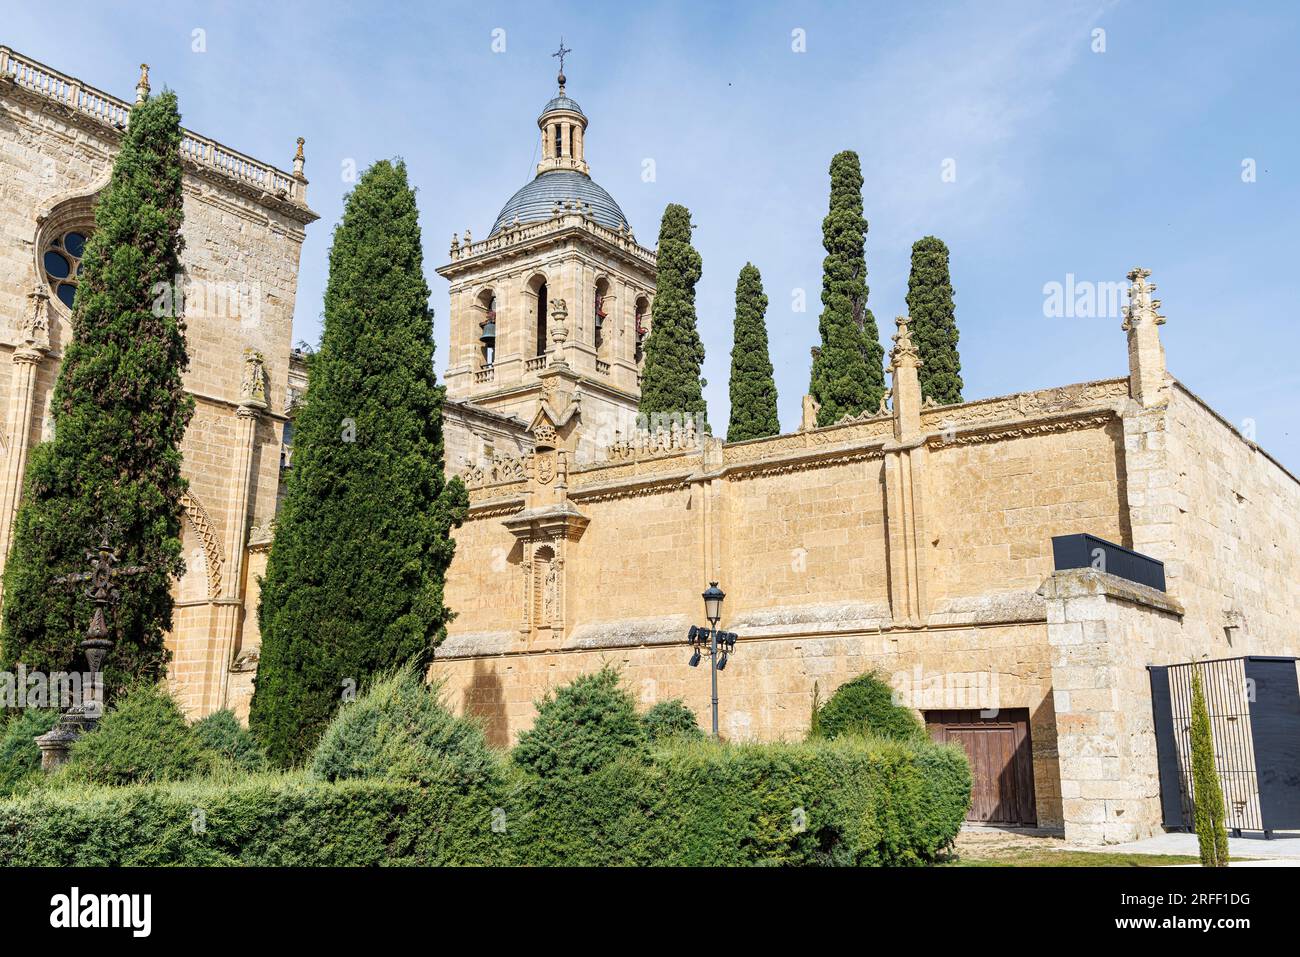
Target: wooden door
[1001,762]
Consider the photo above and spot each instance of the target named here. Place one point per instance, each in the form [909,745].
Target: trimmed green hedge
[266,820]
[856,801]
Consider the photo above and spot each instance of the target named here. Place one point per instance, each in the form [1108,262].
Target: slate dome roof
[536,200]
[562,102]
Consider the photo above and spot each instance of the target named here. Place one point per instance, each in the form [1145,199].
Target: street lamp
[718,645]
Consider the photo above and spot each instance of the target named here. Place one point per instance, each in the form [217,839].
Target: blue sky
[1067,160]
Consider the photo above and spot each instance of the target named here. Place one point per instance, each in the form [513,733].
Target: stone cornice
[526,240]
[1013,429]
[495,507]
[94,111]
[1087,582]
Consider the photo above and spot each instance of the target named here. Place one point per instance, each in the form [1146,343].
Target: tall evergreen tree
[120,411]
[1207,793]
[848,375]
[354,583]
[753,390]
[934,325]
[674,352]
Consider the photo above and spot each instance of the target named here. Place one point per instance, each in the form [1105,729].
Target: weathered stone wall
[996,505]
[1104,631]
[797,529]
[239,284]
[766,691]
[1237,564]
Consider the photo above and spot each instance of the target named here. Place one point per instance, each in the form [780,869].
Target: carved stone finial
[468,238]
[252,391]
[1146,356]
[904,349]
[1142,307]
[142,85]
[298,160]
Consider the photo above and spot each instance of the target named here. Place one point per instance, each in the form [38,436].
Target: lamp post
[102,590]
[718,645]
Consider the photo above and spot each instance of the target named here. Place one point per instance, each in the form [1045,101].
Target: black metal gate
[1254,708]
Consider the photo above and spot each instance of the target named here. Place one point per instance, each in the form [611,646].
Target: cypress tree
[120,412]
[674,353]
[1207,793]
[934,325]
[848,375]
[354,582]
[753,390]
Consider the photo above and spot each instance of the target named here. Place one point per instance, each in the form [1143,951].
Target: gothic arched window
[62,263]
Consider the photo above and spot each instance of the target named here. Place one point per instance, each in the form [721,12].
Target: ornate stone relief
[252,391]
[680,436]
[208,539]
[503,468]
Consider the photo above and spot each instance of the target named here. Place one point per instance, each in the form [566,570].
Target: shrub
[397,779]
[865,705]
[400,729]
[581,727]
[142,738]
[270,820]
[20,758]
[855,801]
[670,719]
[223,735]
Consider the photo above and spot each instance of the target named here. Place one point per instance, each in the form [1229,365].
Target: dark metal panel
[1076,551]
[1275,726]
[1171,801]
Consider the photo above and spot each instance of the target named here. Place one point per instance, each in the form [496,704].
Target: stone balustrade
[104,108]
[562,218]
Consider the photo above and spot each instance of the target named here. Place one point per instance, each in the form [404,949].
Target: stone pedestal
[1103,632]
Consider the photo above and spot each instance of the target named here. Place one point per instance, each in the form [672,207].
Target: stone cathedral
[915,540]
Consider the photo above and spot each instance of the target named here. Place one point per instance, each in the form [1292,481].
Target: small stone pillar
[1148,379]
[810,409]
[904,360]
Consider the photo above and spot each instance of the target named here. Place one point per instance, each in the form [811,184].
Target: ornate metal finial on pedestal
[102,590]
[142,85]
[562,52]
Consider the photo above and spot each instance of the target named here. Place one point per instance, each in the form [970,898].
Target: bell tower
[555,301]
